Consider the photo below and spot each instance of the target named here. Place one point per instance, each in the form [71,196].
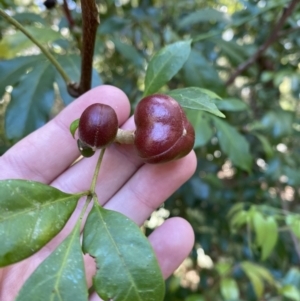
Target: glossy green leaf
[61,276]
[202,125]
[229,289]
[197,99]
[165,64]
[31,102]
[74,126]
[12,44]
[127,266]
[231,104]
[31,214]
[233,144]
[291,292]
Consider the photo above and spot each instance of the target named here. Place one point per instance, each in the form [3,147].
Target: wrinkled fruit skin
[98,126]
[50,4]
[163,133]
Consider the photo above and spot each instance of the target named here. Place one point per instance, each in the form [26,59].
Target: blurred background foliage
[243,201]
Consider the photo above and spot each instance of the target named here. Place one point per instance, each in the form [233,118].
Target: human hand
[124,184]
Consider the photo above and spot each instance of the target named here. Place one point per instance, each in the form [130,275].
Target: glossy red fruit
[163,133]
[98,126]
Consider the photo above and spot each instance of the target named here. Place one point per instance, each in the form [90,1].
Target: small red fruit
[163,133]
[98,126]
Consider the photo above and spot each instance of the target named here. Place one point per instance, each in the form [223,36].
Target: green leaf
[165,64]
[257,275]
[31,214]
[203,15]
[267,147]
[127,267]
[194,297]
[61,276]
[235,208]
[197,99]
[29,18]
[31,102]
[229,289]
[202,125]
[258,225]
[73,127]
[223,268]
[128,52]
[11,71]
[290,292]
[195,76]
[239,219]
[233,144]
[293,221]
[278,123]
[236,53]
[270,240]
[266,230]
[12,44]
[231,104]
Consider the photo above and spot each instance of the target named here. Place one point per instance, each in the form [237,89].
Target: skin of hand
[124,184]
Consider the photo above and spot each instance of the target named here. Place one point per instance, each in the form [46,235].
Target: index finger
[47,152]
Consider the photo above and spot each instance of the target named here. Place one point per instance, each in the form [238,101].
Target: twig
[272,38]
[72,24]
[90,22]
[44,50]
[284,33]
[68,14]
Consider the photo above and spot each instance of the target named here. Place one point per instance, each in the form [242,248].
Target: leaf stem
[96,173]
[44,50]
[87,201]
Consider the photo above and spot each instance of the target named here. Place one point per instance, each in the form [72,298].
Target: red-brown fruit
[98,125]
[163,133]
